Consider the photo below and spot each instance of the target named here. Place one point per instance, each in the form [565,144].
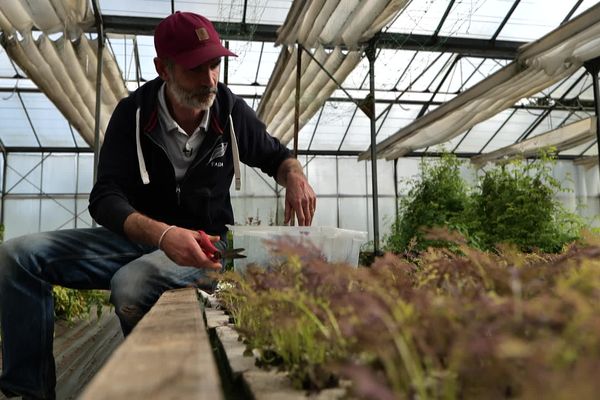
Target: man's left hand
[300,199]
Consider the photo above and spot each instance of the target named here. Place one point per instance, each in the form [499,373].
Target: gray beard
[198,99]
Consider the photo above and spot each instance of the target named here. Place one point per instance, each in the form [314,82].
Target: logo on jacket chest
[216,158]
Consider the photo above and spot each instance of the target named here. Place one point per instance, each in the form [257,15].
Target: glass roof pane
[332,126]
[475,19]
[577,115]
[49,124]
[451,144]
[592,151]
[14,129]
[6,68]
[359,77]
[420,17]
[147,54]
[252,57]
[533,19]
[588,93]
[398,117]
[78,139]
[554,120]
[267,12]
[423,70]
[258,11]
[578,150]
[559,89]
[216,10]
[444,76]
[513,129]
[306,133]
[122,48]
[358,137]
[584,6]
[481,133]
[389,67]
[487,68]
[464,70]
[136,8]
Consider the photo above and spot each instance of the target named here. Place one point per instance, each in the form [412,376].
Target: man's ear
[161,68]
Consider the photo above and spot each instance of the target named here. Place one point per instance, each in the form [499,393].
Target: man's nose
[206,77]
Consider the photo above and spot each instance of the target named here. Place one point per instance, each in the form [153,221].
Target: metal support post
[99,73]
[297,100]
[593,67]
[99,70]
[4,170]
[370,52]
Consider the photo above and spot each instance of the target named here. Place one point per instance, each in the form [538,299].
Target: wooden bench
[167,356]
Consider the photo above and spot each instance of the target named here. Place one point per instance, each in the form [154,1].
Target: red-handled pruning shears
[215,254]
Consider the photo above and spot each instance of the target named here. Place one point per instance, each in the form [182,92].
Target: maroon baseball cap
[188,39]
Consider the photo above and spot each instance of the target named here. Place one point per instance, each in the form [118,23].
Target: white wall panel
[353,213]
[24,173]
[59,173]
[352,177]
[21,217]
[322,175]
[57,214]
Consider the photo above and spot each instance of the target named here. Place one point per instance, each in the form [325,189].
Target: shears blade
[230,253]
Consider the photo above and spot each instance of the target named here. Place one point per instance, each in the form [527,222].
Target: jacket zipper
[194,164]
[177,185]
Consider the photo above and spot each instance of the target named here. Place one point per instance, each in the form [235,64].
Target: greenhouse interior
[452,135]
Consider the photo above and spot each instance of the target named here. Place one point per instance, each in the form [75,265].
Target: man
[165,169]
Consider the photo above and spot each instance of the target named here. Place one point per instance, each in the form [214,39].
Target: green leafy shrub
[512,203]
[515,204]
[438,198]
[72,304]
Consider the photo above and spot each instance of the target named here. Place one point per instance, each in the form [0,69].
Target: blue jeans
[93,258]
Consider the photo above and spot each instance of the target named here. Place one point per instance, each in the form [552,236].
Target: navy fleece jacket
[201,200]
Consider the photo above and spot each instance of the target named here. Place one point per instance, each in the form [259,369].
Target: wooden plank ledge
[167,356]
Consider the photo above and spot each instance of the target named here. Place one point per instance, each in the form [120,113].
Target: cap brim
[202,55]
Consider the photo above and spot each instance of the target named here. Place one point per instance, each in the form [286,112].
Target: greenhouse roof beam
[504,49]
[469,47]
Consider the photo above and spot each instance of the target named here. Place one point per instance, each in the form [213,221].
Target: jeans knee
[15,257]
[131,296]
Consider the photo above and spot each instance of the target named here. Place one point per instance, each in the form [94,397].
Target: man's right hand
[181,245]
[184,247]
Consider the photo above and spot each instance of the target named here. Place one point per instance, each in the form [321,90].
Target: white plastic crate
[335,244]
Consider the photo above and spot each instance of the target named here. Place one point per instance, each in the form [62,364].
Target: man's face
[194,88]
